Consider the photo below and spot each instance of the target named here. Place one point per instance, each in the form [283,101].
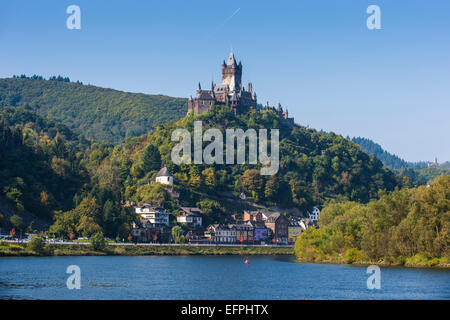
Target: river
[211,277]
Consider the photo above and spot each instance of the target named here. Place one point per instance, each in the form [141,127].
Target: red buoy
[246,260]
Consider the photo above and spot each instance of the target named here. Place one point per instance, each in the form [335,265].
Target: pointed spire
[199,86]
[231,60]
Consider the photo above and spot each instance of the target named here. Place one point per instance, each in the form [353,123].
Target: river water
[211,277]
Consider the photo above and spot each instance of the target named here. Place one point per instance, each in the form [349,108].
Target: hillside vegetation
[40,165]
[82,185]
[405,226]
[314,166]
[419,172]
[98,113]
[390,160]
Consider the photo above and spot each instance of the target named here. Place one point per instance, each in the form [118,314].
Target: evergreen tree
[152,159]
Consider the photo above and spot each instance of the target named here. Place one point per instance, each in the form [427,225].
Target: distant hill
[389,160]
[416,171]
[98,113]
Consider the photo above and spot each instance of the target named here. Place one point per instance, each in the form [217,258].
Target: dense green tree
[98,241]
[17,222]
[152,159]
[271,192]
[177,234]
[252,183]
[36,244]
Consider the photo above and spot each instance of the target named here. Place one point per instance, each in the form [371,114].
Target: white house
[191,216]
[314,215]
[164,176]
[156,215]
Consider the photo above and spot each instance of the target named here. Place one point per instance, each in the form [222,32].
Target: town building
[294,230]
[266,215]
[244,232]
[253,216]
[190,216]
[261,233]
[155,214]
[197,236]
[143,230]
[164,176]
[278,223]
[314,214]
[230,92]
[305,223]
[220,233]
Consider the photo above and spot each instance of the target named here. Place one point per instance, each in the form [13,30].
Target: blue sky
[316,57]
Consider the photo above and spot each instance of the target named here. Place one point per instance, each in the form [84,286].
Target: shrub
[36,244]
[433,262]
[352,255]
[400,260]
[98,241]
[49,249]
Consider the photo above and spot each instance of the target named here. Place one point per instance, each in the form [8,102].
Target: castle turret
[231,60]
[199,90]
[190,104]
[232,73]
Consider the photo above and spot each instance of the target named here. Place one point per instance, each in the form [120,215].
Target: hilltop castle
[230,91]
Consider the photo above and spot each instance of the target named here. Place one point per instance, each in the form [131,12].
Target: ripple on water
[199,277]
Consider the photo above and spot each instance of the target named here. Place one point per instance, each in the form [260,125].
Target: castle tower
[229,92]
[232,73]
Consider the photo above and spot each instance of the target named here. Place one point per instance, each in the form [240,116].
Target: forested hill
[40,167]
[419,172]
[389,160]
[44,168]
[98,113]
[314,167]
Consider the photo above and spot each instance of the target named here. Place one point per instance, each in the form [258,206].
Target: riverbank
[431,263]
[21,250]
